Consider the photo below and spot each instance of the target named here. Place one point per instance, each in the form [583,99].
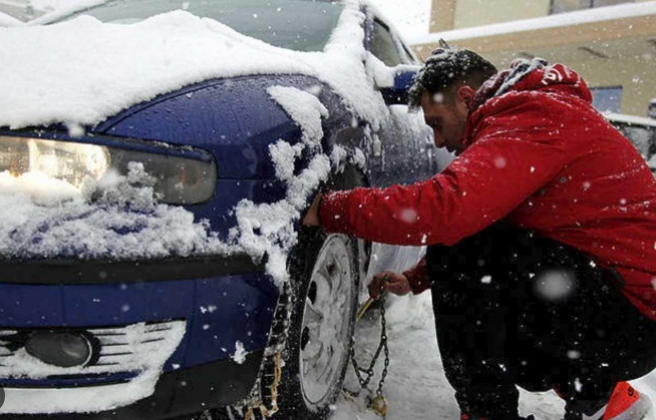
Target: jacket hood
[532,75]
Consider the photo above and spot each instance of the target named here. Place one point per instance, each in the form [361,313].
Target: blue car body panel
[219,312]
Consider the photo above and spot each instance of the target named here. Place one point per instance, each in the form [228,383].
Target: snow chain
[268,412]
[275,347]
[377,403]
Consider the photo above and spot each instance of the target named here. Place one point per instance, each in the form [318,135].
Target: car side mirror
[396,90]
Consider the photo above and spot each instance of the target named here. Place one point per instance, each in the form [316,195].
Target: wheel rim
[326,319]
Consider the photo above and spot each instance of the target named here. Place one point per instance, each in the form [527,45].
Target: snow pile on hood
[304,108]
[44,218]
[83,71]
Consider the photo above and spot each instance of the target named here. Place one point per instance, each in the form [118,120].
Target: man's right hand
[312,216]
[389,282]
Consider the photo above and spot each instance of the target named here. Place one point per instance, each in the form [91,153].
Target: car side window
[383,45]
[410,56]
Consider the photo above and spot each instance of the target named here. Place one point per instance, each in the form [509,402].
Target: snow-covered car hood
[82,71]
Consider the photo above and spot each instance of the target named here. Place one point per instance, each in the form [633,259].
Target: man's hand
[390,282]
[312,216]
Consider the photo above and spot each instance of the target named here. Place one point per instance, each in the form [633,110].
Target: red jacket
[539,154]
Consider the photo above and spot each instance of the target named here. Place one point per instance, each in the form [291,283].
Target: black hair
[447,66]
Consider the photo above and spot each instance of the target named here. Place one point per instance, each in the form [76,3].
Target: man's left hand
[388,281]
[312,216]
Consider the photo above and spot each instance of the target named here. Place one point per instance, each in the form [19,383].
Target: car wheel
[325,274]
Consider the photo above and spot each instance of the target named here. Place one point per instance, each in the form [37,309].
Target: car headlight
[179,180]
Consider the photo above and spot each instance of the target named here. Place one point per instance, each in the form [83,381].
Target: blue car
[167,337]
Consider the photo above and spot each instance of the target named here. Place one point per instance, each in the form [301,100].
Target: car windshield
[301,25]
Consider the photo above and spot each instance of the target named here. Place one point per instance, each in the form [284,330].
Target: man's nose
[438,140]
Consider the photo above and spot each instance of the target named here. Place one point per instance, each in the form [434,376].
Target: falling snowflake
[555,284]
[500,162]
[408,215]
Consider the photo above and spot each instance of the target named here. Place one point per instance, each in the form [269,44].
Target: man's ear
[465,94]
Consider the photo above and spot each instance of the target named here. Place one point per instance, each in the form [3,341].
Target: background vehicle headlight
[179,180]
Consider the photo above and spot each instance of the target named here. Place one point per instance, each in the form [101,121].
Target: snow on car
[640,131]
[155,160]
[8,21]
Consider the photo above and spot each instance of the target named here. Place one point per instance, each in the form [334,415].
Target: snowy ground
[416,387]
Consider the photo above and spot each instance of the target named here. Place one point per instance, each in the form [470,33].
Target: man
[541,234]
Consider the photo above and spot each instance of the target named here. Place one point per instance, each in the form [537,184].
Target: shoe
[625,403]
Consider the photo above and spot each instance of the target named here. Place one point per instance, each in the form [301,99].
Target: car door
[403,150]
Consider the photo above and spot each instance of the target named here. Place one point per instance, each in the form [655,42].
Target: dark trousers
[512,308]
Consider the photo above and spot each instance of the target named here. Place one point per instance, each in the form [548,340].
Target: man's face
[446,114]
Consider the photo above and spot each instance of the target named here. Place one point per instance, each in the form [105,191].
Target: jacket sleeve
[511,158]
[418,277]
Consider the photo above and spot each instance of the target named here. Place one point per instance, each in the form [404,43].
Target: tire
[322,324]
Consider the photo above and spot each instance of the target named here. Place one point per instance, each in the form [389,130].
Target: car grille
[130,349]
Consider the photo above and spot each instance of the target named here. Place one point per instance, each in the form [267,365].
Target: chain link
[382,346]
[264,410]
[383,340]
[275,347]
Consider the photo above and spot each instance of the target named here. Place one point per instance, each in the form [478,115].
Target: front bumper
[76,272]
[177,393]
[224,303]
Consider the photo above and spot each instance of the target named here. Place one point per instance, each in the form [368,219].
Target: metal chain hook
[378,403]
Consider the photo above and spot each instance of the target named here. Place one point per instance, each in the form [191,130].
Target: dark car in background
[642,133]
[161,338]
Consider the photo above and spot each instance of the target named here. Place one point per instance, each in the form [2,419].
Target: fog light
[60,349]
